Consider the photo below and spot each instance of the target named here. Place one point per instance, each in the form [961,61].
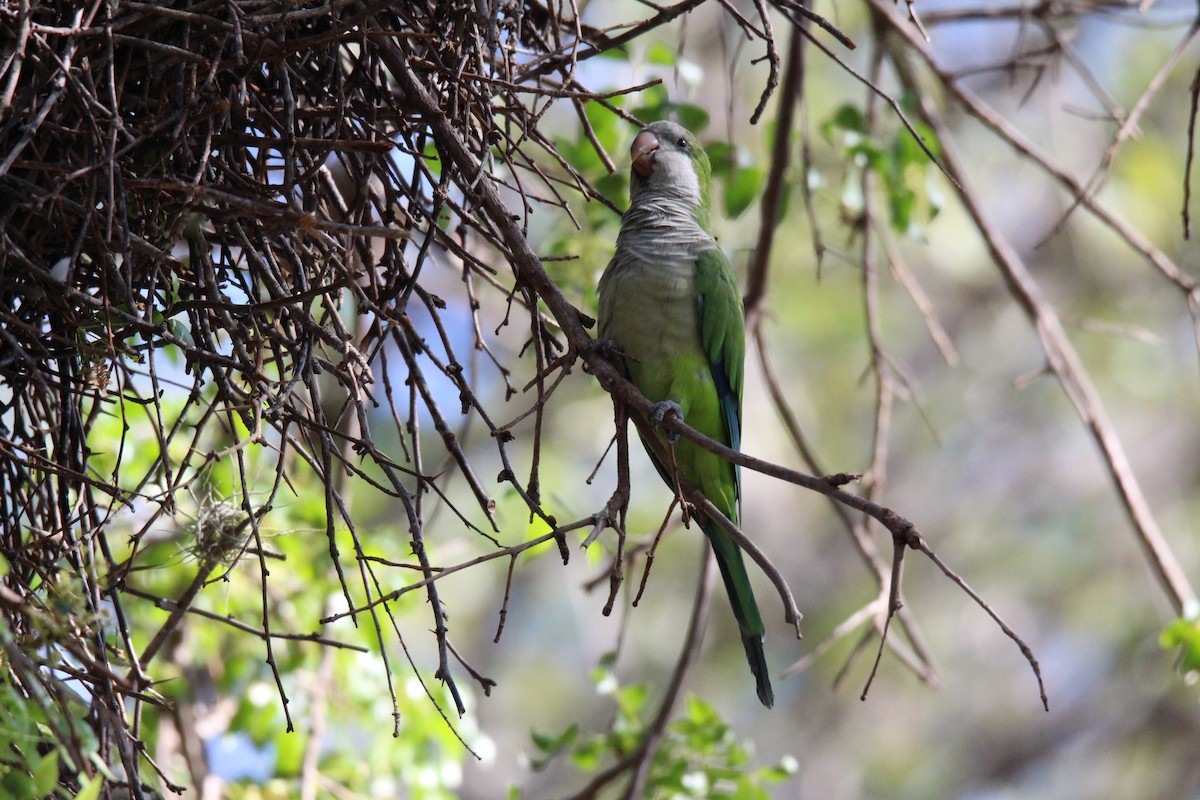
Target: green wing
[723,337]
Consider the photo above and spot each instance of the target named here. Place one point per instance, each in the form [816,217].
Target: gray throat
[660,227]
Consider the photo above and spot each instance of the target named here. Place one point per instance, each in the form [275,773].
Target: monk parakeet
[670,304]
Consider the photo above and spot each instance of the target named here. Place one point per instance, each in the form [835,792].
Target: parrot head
[669,160]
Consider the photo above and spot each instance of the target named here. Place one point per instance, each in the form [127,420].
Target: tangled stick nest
[220,180]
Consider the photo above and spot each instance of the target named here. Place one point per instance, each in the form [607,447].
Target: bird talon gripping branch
[660,413]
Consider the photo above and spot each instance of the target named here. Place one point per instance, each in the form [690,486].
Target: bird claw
[660,413]
[605,347]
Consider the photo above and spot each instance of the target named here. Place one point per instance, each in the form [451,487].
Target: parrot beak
[645,144]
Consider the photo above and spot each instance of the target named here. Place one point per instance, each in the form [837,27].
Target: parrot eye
[683,143]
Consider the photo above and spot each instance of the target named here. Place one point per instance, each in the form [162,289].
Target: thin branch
[1068,368]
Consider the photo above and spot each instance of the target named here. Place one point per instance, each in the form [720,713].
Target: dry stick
[916,20]
[1062,40]
[485,683]
[407,343]
[653,549]
[600,462]
[805,12]
[268,643]
[348,428]
[616,575]
[416,537]
[768,35]
[885,389]
[1021,13]
[642,757]
[60,86]
[16,55]
[1019,142]
[1025,650]
[916,293]
[528,268]
[548,64]
[791,94]
[844,628]
[434,574]
[895,603]
[512,563]
[170,605]
[618,505]
[1191,154]
[860,646]
[1128,127]
[920,659]
[903,531]
[790,612]
[1065,363]
[441,631]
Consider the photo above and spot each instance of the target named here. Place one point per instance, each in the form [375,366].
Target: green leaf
[432,158]
[786,768]
[630,699]
[847,118]
[747,789]
[908,151]
[700,712]
[609,128]
[1183,634]
[742,189]
[180,330]
[551,743]
[661,54]
[91,789]
[722,157]
[901,201]
[586,757]
[654,100]
[659,106]
[45,774]
[15,783]
[694,118]
[289,753]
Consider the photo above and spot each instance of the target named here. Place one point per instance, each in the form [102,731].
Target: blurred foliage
[909,178]
[1183,635]
[985,455]
[34,759]
[357,752]
[700,754]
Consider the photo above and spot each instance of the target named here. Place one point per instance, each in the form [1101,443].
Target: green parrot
[670,305]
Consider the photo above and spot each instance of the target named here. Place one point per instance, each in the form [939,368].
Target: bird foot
[660,413]
[605,347]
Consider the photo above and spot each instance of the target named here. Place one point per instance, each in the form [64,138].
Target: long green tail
[741,599]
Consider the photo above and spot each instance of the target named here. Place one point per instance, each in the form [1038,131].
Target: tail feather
[745,609]
[758,665]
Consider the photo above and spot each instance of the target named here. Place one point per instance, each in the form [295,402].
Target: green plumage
[670,303]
